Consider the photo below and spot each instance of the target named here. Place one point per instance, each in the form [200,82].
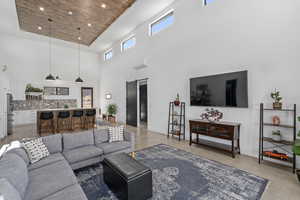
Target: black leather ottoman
[127,178]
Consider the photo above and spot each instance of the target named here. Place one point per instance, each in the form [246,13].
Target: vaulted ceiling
[92,16]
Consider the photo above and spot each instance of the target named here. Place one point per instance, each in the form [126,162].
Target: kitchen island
[86,121]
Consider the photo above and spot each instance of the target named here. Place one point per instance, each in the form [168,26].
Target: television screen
[223,90]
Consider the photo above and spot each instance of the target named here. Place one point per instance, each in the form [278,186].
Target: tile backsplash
[19,105]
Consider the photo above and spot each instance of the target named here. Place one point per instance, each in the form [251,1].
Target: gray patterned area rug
[180,175]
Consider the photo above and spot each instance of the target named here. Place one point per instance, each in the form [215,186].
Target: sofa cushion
[8,191]
[75,140]
[14,170]
[53,143]
[82,153]
[49,179]
[22,153]
[73,192]
[116,133]
[46,161]
[101,136]
[36,149]
[114,146]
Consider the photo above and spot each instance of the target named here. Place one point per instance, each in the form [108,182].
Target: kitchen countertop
[63,109]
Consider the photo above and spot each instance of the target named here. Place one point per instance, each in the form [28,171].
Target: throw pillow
[36,149]
[116,133]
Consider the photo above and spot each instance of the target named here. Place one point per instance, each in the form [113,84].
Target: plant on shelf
[296,150]
[276,136]
[31,89]
[177,100]
[277,100]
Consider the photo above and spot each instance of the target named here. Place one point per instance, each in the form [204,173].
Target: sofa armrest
[129,137]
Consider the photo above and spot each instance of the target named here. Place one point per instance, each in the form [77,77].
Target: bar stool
[46,122]
[63,121]
[77,119]
[90,118]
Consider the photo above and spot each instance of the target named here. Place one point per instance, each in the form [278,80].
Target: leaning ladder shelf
[283,144]
[176,120]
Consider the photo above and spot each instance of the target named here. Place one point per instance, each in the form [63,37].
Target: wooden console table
[223,130]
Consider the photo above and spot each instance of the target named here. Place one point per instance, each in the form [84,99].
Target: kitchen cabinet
[4,89]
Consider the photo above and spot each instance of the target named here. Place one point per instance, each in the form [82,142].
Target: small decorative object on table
[276,136]
[177,101]
[66,106]
[212,115]
[133,154]
[276,120]
[277,105]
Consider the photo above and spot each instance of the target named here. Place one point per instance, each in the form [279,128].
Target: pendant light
[79,80]
[50,77]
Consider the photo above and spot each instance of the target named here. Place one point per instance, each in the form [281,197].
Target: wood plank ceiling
[92,16]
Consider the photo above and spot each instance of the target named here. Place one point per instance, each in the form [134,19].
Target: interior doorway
[137,103]
[143,104]
[87,96]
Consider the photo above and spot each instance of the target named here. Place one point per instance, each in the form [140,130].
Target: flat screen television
[222,90]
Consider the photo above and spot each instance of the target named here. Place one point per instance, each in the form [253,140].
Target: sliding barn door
[131,103]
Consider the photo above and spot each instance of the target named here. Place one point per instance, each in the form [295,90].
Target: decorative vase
[276,120]
[277,105]
[176,103]
[276,138]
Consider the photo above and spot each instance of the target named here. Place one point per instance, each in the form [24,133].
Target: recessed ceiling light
[79,38]
[70,13]
[103,5]
[42,9]
[40,28]
[89,24]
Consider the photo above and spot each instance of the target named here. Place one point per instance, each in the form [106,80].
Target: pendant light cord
[50,46]
[79,53]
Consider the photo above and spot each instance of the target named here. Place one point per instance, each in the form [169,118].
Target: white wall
[28,62]
[261,36]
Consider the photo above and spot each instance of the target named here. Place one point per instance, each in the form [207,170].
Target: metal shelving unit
[283,144]
[176,120]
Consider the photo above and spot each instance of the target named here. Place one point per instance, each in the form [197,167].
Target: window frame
[127,39]
[172,11]
[205,3]
[106,52]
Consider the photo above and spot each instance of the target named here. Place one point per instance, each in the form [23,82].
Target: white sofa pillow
[36,149]
[116,133]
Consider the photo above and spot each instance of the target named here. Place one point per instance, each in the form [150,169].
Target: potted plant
[112,110]
[296,150]
[177,101]
[277,100]
[276,136]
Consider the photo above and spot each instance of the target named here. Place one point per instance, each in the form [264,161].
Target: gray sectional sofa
[52,178]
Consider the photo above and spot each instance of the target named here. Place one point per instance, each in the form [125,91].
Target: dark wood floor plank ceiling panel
[100,14]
